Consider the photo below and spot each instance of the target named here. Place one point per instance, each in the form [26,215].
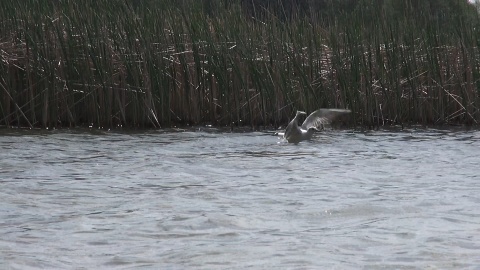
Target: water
[205,199]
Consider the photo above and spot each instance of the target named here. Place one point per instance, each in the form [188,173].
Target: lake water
[208,199]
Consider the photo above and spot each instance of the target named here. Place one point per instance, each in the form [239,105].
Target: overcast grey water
[209,199]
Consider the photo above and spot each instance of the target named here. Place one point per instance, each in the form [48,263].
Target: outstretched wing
[289,128]
[322,117]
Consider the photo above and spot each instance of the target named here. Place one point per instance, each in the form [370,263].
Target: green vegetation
[158,63]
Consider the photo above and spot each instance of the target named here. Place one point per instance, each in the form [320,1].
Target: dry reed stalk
[138,65]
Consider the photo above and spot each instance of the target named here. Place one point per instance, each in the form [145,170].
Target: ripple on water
[211,199]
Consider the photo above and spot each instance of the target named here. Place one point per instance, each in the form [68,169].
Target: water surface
[208,199]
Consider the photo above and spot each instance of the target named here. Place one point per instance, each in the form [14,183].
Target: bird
[315,121]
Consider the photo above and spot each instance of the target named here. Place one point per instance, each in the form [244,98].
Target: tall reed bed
[159,63]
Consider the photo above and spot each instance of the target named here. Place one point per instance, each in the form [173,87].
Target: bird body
[315,121]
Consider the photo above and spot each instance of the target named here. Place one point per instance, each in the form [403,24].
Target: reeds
[164,62]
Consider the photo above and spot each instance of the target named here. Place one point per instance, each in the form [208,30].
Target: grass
[164,62]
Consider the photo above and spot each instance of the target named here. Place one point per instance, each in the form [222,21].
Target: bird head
[300,113]
[297,115]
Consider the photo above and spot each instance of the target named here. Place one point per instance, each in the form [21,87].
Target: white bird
[315,121]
